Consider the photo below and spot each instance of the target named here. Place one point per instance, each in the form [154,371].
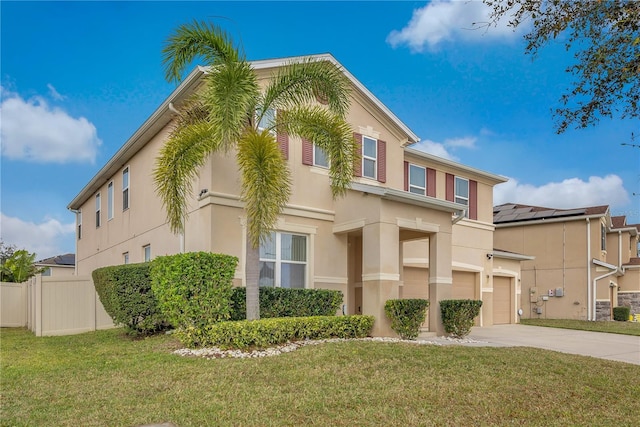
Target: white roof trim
[511,255]
[604,264]
[451,163]
[409,198]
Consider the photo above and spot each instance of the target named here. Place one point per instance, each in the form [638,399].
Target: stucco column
[440,278]
[380,272]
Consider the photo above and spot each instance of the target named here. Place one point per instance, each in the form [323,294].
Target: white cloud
[54,93]
[443,149]
[570,193]
[44,239]
[36,132]
[446,20]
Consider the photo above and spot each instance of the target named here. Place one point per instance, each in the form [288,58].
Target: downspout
[589,271]
[461,216]
[620,250]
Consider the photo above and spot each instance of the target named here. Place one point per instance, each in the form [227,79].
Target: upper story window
[79,225]
[320,157]
[283,260]
[46,271]
[125,189]
[369,157]
[603,237]
[417,179]
[147,253]
[462,191]
[110,200]
[98,210]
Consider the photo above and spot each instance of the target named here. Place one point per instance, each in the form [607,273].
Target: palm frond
[177,165]
[230,97]
[307,81]
[196,39]
[329,132]
[265,182]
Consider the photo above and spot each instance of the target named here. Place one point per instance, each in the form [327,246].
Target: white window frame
[125,188]
[146,253]
[326,157]
[463,200]
[603,237]
[98,208]
[110,201]
[413,188]
[374,159]
[278,261]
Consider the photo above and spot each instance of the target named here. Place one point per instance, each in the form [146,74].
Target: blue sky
[78,78]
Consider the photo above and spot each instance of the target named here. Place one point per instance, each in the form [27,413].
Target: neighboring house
[59,265]
[412,224]
[586,261]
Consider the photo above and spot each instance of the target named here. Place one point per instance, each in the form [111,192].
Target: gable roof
[163,115]
[618,221]
[511,212]
[59,260]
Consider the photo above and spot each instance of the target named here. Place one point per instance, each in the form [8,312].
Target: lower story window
[283,260]
[147,253]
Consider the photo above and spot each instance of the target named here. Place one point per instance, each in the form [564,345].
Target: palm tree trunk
[252,274]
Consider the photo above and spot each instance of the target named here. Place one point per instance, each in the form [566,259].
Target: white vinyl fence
[51,305]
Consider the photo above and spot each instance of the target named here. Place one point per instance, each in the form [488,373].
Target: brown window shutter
[431,182]
[473,199]
[406,176]
[382,161]
[357,166]
[450,187]
[283,144]
[307,152]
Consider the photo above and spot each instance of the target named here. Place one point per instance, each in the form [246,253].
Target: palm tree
[231,112]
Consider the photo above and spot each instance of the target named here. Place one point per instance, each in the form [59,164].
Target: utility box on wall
[559,292]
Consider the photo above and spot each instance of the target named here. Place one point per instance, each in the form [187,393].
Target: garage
[464,285]
[502,306]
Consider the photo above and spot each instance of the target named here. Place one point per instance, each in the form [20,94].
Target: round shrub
[126,295]
[406,316]
[458,315]
[194,289]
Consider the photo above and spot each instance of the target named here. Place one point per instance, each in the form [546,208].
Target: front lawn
[106,379]
[625,328]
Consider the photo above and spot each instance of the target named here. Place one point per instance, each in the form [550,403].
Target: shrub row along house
[586,261]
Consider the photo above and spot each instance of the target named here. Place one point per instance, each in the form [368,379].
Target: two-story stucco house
[586,261]
[412,224]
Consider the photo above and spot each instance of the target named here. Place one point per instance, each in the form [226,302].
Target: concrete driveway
[621,348]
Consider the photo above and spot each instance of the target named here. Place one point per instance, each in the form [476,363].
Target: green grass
[106,379]
[624,328]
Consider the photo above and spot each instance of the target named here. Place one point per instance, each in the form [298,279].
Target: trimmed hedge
[458,314]
[621,314]
[126,295]
[406,316]
[283,302]
[268,332]
[194,289]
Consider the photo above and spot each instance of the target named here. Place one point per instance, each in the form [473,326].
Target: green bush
[621,314]
[458,314]
[283,302]
[406,316]
[126,295]
[194,289]
[268,332]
